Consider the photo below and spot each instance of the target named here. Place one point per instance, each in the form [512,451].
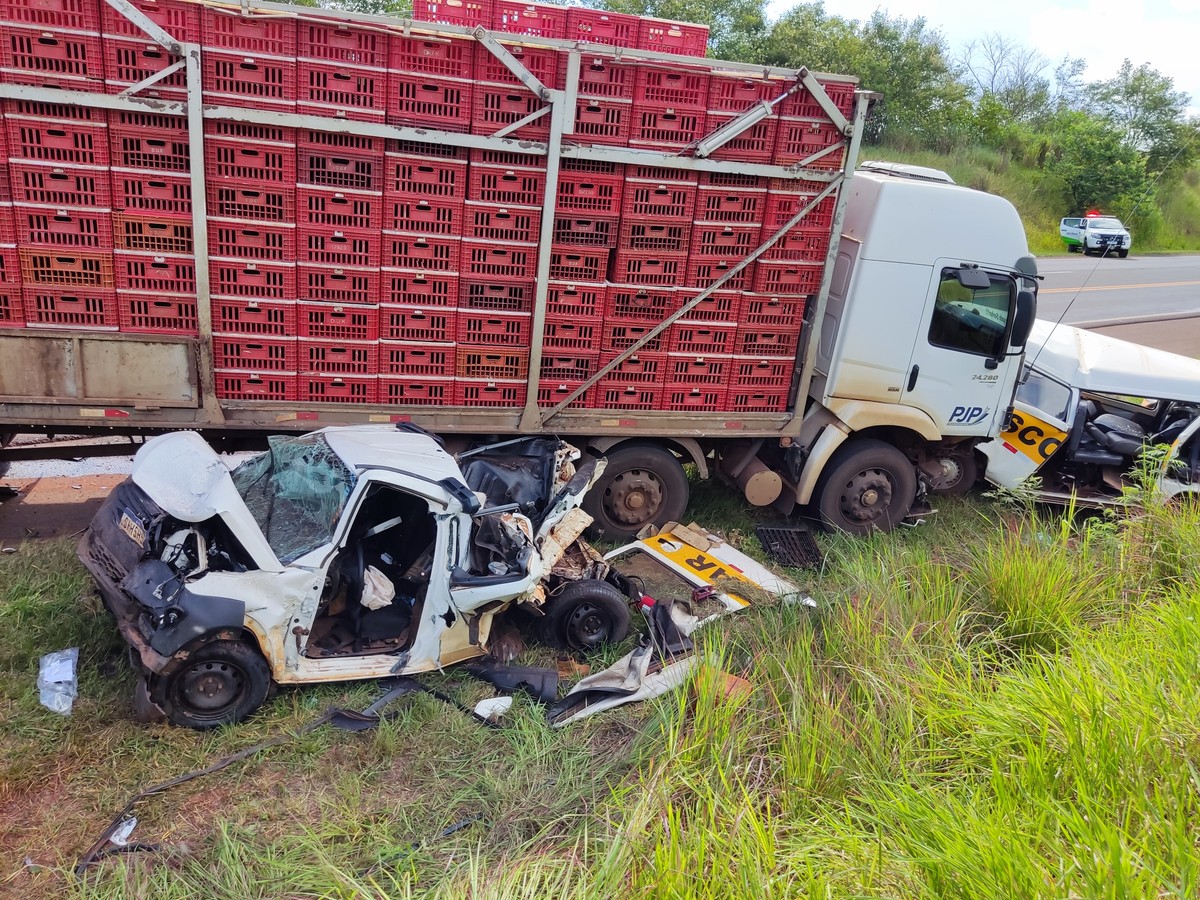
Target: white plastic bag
[56,680]
[378,590]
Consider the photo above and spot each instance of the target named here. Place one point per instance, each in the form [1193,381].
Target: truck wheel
[1122,253]
[220,684]
[959,473]
[585,615]
[868,485]
[641,484]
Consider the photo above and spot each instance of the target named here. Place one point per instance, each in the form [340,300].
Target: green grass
[996,704]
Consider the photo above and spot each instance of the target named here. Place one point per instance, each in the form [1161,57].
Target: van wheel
[641,484]
[867,486]
[585,615]
[220,684]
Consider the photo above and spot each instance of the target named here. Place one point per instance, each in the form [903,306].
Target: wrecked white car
[348,553]
[1087,408]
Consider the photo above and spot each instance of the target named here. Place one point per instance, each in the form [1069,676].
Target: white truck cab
[1095,233]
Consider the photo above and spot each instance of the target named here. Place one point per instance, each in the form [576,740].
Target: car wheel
[867,486]
[220,684]
[585,615]
[1122,253]
[641,484]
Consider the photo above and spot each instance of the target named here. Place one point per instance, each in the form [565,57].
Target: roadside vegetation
[1000,702]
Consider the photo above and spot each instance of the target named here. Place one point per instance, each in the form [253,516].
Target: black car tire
[1122,253]
[220,684]
[585,615]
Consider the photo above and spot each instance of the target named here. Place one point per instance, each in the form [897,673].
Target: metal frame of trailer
[209,412]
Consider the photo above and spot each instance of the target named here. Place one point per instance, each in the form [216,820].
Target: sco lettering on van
[1028,434]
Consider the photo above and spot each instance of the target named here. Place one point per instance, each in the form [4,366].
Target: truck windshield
[971,320]
[296,491]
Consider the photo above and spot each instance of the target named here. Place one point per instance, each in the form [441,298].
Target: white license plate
[133,529]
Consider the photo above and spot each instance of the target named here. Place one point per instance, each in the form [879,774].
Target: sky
[1163,33]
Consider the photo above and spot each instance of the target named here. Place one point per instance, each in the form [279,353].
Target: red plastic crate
[705,338]
[600,120]
[601,74]
[252,240]
[396,358]
[354,164]
[91,308]
[649,304]
[782,206]
[242,162]
[639,267]
[65,268]
[156,313]
[12,308]
[258,133]
[719,306]
[419,288]
[151,274]
[704,272]
[423,252]
[755,144]
[342,42]
[482,362]
[772,310]
[798,139]
[722,240]
[340,91]
[50,57]
[552,392]
[328,246]
[501,296]
[152,234]
[728,92]
[802,104]
[493,329]
[426,216]
[623,395]
[703,398]
[264,82]
[720,204]
[254,386]
[335,284]
[762,372]
[667,36]
[128,61]
[79,15]
[232,315]
[536,19]
[573,335]
[272,35]
[443,152]
[594,192]
[431,325]
[579,231]
[655,128]
[801,245]
[254,280]
[149,141]
[502,224]
[60,227]
[643,367]
[544,63]
[578,366]
[497,106]
[578,302]
[785,277]
[767,341]
[151,192]
[337,321]
[425,392]
[429,100]
[277,204]
[489,393]
[444,56]
[655,237]
[255,354]
[622,335]
[333,208]
[598,26]
[690,369]
[468,13]
[338,357]
[509,262]
[58,186]
[656,200]
[578,263]
[676,87]
[180,20]
[442,180]
[512,186]
[771,399]
[76,143]
[312,388]
[662,175]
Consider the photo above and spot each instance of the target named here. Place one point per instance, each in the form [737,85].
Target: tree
[1098,166]
[1145,107]
[1001,68]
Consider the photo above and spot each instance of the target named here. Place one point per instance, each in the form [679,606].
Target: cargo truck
[494,219]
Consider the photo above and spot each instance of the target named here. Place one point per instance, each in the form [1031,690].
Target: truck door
[960,373]
[1071,232]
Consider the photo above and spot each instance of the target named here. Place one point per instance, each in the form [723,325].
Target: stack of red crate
[805,129]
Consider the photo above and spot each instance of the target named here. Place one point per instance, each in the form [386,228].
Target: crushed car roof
[382,446]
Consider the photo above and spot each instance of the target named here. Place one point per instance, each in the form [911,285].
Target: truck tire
[641,484]
[960,471]
[585,615]
[219,684]
[867,486]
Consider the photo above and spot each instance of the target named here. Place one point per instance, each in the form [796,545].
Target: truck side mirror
[1023,318]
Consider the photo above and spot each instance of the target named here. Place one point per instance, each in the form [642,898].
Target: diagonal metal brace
[745,120]
[511,63]
[153,79]
[148,25]
[520,123]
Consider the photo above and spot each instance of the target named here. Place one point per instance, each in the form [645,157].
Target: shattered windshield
[296,491]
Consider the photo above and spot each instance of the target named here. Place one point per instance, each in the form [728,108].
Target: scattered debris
[493,708]
[791,546]
[124,832]
[10,550]
[56,681]
[7,493]
[569,668]
[541,684]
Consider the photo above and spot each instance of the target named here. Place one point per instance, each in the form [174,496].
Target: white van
[1095,234]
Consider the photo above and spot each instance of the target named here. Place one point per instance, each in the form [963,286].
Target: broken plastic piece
[493,708]
[56,681]
[120,837]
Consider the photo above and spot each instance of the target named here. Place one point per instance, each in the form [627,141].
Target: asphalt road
[1152,300]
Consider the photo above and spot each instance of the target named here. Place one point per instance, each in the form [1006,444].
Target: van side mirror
[1023,318]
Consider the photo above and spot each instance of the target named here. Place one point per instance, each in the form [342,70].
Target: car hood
[183,475]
